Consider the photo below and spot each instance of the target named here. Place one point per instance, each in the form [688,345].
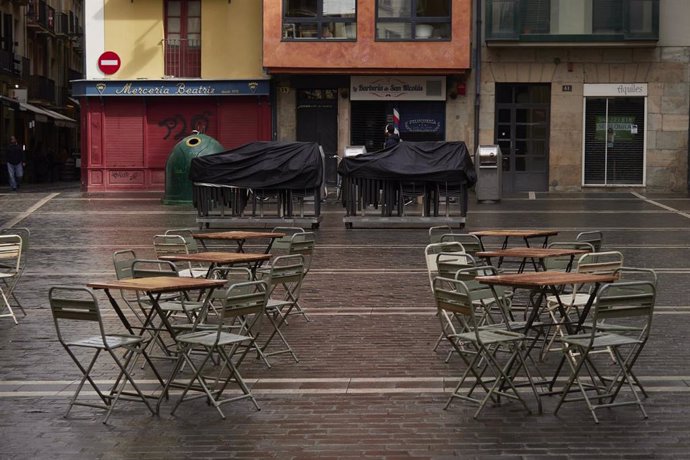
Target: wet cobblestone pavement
[368,384]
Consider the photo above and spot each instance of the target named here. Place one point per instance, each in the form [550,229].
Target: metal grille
[182,57]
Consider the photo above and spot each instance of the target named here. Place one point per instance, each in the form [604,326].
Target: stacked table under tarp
[261,184]
[386,179]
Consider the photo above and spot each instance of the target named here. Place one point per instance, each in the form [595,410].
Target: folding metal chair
[72,304]
[168,245]
[10,271]
[285,282]
[630,304]
[437,231]
[593,263]
[25,234]
[241,300]
[471,243]
[481,349]
[594,237]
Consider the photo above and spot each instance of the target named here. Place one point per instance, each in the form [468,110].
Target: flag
[396,121]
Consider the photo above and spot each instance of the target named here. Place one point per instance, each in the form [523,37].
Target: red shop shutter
[123,134]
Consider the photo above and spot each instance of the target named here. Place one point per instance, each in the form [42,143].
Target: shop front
[131,127]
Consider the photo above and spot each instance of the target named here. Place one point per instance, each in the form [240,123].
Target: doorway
[317,121]
[522,133]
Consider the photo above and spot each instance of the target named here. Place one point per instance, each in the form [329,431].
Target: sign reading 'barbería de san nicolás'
[170,88]
[399,88]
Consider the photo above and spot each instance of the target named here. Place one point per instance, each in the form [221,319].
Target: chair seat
[491,336]
[209,339]
[112,341]
[600,340]
[177,306]
[612,327]
[193,273]
[274,304]
[8,275]
[577,300]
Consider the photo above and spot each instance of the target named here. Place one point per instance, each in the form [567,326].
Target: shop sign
[616,90]
[170,88]
[398,88]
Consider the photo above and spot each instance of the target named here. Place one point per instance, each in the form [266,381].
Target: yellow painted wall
[230,38]
[134,30]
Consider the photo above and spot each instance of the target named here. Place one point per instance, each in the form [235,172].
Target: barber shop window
[413,20]
[319,19]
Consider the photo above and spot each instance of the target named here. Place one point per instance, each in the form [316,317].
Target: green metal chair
[171,245]
[241,300]
[25,234]
[482,348]
[285,283]
[594,237]
[560,307]
[72,304]
[437,231]
[629,303]
[471,243]
[10,271]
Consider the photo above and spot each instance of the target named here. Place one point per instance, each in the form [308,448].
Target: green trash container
[178,187]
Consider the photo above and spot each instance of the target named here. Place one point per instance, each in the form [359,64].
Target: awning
[42,115]
[60,119]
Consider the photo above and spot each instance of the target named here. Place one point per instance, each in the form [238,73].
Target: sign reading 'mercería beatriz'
[170,88]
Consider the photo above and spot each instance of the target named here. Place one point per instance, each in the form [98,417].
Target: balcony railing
[42,89]
[40,16]
[572,20]
[7,64]
[182,58]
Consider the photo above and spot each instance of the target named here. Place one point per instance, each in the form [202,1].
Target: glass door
[614,141]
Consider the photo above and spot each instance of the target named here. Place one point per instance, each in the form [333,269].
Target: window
[183,38]
[413,19]
[319,20]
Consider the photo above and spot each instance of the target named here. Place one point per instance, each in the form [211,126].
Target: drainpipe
[476,68]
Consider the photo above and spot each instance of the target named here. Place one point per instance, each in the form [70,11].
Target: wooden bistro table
[154,287]
[536,255]
[526,235]
[239,237]
[545,282]
[221,259]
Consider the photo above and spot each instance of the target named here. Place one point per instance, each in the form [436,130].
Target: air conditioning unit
[19,94]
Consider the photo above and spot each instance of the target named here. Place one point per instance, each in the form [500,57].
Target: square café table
[506,234]
[238,236]
[549,281]
[220,258]
[533,254]
[154,287]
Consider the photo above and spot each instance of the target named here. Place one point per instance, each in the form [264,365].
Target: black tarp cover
[414,161]
[262,165]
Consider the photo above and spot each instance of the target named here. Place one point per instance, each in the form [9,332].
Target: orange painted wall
[366,55]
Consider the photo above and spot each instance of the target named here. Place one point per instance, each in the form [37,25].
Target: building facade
[40,52]
[342,71]
[156,72]
[587,95]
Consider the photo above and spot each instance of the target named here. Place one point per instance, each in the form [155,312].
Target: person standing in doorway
[15,163]
[392,138]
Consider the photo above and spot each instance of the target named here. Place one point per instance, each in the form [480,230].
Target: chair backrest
[471,243]
[629,303]
[637,274]
[594,237]
[285,276]
[448,263]
[454,298]
[303,244]
[25,234]
[232,275]
[147,268]
[167,245]
[242,299]
[437,231]
[122,261]
[283,243]
[431,252]
[561,263]
[483,294]
[600,263]
[74,304]
[186,233]
[10,253]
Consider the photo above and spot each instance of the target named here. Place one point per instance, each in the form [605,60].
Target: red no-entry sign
[109,62]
